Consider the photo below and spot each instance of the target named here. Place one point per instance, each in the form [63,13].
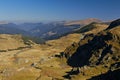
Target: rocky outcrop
[94,50]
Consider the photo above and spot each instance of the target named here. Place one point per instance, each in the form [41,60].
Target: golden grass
[10,42]
[90,72]
[98,28]
[19,67]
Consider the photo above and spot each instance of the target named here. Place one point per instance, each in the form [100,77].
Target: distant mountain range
[47,31]
[11,28]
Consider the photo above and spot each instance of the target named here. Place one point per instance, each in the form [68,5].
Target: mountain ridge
[101,49]
[83,22]
[47,31]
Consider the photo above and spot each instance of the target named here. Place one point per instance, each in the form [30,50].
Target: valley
[60,40]
[84,54]
[26,62]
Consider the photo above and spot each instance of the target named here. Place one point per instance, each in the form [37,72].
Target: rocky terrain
[86,54]
[94,55]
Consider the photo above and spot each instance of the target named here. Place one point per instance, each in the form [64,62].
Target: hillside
[92,28]
[64,41]
[83,22]
[36,60]
[8,42]
[95,54]
[54,31]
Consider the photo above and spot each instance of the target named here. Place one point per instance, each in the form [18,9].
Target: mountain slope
[94,57]
[99,51]
[64,41]
[83,22]
[92,28]
[37,60]
[8,42]
[58,31]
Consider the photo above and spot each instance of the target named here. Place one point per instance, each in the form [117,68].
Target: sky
[58,10]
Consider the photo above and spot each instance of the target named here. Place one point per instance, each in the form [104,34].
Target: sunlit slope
[11,42]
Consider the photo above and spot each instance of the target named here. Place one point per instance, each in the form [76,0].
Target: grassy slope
[11,42]
[92,28]
[16,64]
[48,67]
